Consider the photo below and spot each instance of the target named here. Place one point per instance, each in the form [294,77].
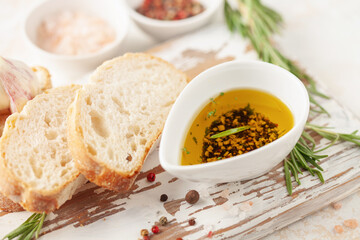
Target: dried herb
[227,136]
[32,226]
[211,113]
[185,150]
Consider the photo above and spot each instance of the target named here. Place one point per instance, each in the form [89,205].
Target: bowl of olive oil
[234,121]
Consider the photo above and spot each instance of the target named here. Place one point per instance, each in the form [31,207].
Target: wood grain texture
[224,208]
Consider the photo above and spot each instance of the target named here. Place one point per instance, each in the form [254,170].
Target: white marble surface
[323,36]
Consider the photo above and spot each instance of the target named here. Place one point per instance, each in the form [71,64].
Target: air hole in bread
[36,150]
[47,120]
[63,172]
[168,104]
[110,153]
[152,123]
[133,147]
[91,150]
[135,129]
[88,100]
[97,122]
[143,141]
[53,154]
[63,161]
[37,171]
[129,135]
[51,134]
[80,131]
[120,106]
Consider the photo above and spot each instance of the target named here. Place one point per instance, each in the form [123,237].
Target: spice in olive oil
[234,123]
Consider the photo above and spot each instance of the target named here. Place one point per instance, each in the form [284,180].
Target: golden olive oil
[262,102]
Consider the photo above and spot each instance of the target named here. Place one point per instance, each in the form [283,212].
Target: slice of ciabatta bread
[44,78]
[36,167]
[115,120]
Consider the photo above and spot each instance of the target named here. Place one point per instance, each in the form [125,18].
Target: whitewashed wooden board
[95,212]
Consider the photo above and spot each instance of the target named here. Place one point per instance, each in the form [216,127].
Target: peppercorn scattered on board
[239,210]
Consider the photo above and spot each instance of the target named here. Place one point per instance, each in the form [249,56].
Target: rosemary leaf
[287,177]
[309,138]
[294,172]
[229,132]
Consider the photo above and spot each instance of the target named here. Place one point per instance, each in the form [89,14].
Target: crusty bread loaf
[44,78]
[36,167]
[116,119]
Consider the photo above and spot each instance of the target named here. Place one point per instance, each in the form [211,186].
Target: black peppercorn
[163,197]
[192,222]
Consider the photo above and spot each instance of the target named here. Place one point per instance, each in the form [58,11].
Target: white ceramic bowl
[221,78]
[163,30]
[109,10]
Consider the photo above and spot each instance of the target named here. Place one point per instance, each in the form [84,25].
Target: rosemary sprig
[229,132]
[30,227]
[304,156]
[258,23]
[334,136]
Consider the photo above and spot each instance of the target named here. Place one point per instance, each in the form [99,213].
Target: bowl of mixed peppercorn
[164,19]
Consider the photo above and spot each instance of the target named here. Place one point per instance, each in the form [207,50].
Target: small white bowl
[109,10]
[163,30]
[224,77]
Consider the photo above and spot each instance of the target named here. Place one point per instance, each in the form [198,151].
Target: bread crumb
[336,206]
[351,223]
[338,229]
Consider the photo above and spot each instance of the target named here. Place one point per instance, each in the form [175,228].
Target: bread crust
[127,56]
[20,192]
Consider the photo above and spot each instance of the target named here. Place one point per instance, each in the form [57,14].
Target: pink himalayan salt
[339,229]
[74,33]
[336,206]
[351,223]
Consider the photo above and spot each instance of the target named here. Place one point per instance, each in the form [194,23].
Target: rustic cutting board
[239,210]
